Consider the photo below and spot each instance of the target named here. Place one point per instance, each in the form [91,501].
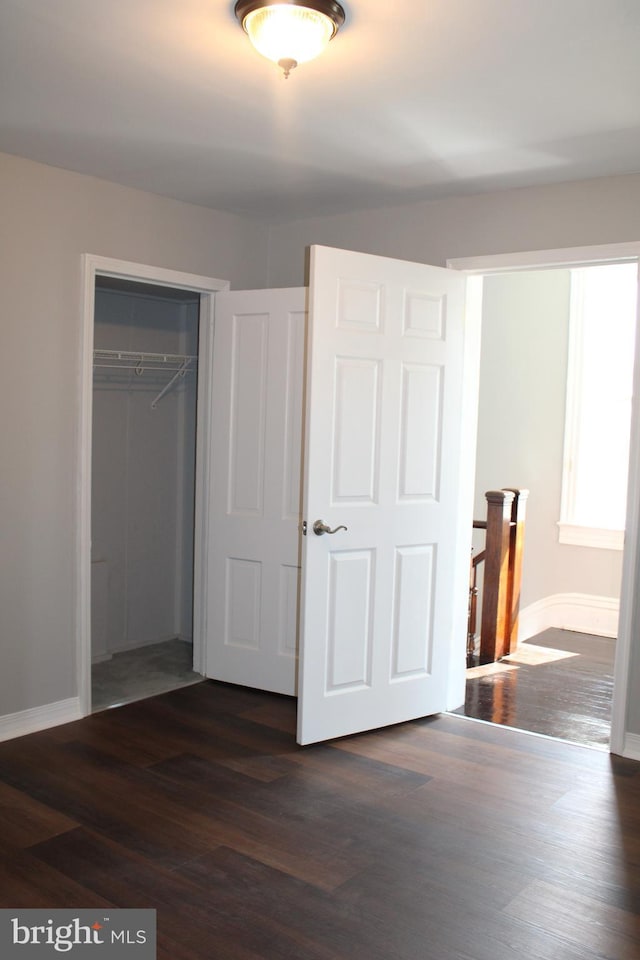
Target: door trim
[629,609]
[207,287]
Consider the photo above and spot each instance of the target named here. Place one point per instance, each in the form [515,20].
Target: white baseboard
[39,718]
[581,612]
[101,658]
[631,749]
[133,644]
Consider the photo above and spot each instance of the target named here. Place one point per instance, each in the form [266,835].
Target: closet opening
[145,389]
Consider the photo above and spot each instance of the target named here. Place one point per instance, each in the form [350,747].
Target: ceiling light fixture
[290,32]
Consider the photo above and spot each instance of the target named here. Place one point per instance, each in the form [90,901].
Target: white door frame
[621,742]
[207,287]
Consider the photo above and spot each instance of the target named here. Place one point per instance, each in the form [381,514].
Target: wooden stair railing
[502,558]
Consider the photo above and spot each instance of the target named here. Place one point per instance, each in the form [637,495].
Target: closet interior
[143,485]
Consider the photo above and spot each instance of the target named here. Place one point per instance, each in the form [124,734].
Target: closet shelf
[177,363]
[141,362]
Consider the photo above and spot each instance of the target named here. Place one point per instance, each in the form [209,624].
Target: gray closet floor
[136,674]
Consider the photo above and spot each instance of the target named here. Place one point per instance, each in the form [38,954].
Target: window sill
[571,533]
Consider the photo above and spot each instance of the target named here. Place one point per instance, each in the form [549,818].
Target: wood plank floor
[440,839]
[558,683]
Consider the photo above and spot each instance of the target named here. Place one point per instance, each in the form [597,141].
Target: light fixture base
[287,65]
[330,8]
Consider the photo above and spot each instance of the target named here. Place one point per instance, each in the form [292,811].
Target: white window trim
[572,414]
[577,536]
[569,532]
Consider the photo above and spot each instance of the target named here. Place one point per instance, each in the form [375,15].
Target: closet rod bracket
[179,373]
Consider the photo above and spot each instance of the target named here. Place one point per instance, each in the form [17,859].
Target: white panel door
[254,563]
[383,438]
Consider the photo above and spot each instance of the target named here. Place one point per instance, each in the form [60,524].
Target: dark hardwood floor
[559,683]
[439,839]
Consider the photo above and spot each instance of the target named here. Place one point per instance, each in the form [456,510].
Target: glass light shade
[288,32]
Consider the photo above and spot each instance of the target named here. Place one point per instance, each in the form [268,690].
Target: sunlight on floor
[529,653]
[489,669]
[559,686]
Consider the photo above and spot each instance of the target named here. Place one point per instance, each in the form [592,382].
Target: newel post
[518,511]
[495,629]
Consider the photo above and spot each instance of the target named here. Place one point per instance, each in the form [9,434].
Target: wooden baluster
[472,615]
[494,639]
[516,546]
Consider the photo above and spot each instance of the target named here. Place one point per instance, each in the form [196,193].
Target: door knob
[321,527]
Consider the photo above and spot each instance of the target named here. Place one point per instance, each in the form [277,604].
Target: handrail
[502,557]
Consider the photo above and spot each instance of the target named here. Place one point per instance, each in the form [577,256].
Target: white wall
[143,472]
[523,374]
[606,210]
[51,217]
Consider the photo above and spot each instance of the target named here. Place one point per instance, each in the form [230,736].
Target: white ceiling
[414,99]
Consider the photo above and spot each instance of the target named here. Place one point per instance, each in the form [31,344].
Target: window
[602,326]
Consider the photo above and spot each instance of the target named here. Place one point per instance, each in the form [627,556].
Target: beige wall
[49,218]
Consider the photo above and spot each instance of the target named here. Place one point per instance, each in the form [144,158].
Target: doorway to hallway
[532,428]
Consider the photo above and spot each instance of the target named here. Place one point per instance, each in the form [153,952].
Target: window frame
[569,530]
